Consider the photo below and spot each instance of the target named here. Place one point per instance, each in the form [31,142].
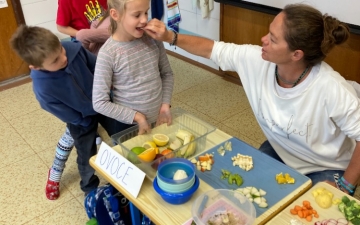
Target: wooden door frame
[19,19]
[19,15]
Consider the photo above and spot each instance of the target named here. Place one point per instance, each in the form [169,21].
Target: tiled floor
[29,135]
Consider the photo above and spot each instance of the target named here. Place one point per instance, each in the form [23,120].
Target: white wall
[193,23]
[43,13]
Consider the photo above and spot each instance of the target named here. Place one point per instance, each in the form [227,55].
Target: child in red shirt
[73,16]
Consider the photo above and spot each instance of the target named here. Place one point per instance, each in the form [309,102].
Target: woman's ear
[298,55]
[115,15]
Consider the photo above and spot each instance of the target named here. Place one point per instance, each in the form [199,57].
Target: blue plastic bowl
[175,188]
[167,169]
[179,198]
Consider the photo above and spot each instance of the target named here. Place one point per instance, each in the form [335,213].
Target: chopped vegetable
[284,179]
[350,209]
[227,147]
[305,211]
[295,222]
[324,201]
[221,150]
[245,162]
[341,221]
[204,162]
[336,201]
[226,217]
[233,178]
[254,195]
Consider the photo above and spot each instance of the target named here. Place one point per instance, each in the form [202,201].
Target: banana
[182,134]
[187,141]
[183,150]
[191,149]
[175,144]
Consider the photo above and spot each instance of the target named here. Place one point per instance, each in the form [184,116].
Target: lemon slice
[160,139]
[149,144]
[157,151]
[148,155]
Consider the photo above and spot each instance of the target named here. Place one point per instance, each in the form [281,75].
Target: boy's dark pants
[85,144]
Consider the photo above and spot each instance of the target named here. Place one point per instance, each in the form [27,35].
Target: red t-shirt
[78,14]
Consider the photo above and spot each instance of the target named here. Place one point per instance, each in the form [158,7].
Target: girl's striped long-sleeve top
[140,74]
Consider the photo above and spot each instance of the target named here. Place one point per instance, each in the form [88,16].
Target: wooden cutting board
[261,176]
[284,217]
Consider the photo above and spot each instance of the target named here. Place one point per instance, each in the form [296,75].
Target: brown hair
[315,34]
[34,44]
[118,5]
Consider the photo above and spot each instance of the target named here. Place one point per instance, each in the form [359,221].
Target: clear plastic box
[219,205]
[181,119]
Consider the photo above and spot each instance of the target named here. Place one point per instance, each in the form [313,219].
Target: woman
[308,112]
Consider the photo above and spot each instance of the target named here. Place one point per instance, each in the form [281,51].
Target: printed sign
[126,174]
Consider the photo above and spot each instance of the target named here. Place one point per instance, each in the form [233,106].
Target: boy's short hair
[34,44]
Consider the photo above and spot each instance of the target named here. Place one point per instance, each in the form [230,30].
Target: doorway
[11,65]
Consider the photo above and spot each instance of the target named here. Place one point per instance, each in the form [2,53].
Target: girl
[136,66]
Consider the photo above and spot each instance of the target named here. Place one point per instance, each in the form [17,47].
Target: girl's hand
[144,126]
[164,115]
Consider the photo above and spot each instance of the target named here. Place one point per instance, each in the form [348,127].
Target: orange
[148,155]
[168,153]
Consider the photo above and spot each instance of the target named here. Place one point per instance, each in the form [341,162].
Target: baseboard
[14,82]
[205,67]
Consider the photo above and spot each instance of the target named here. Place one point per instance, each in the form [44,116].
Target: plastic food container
[177,198]
[175,188]
[217,205]
[181,119]
[168,168]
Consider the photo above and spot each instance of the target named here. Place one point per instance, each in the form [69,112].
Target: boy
[73,16]
[62,75]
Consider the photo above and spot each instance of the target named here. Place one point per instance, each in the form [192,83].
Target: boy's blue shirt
[67,93]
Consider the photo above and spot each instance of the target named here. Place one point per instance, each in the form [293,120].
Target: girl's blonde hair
[118,5]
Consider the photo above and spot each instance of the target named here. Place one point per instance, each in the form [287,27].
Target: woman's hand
[164,115]
[335,185]
[157,30]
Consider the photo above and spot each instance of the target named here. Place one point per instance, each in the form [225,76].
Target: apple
[158,159]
